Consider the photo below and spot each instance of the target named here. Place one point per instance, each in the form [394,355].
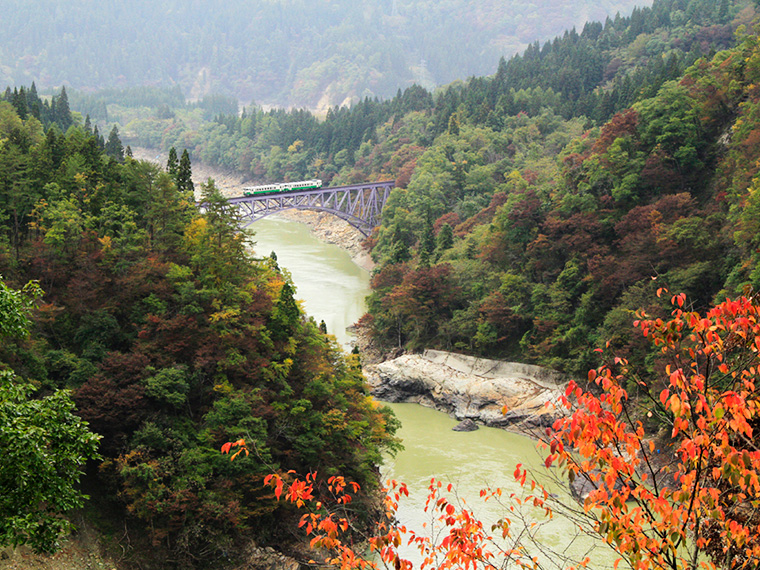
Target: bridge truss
[360,204]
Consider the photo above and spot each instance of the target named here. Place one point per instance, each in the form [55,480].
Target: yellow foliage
[225,315]
[296,146]
[105,241]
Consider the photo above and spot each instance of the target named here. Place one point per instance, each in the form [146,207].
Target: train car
[282,187]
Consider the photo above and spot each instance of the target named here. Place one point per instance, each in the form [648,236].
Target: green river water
[332,288]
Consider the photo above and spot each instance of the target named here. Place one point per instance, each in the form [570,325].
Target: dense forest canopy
[519,224]
[169,338]
[591,74]
[535,210]
[285,52]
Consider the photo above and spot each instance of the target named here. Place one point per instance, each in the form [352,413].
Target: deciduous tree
[684,497]
[43,446]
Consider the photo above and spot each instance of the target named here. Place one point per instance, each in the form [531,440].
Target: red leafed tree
[683,494]
[692,496]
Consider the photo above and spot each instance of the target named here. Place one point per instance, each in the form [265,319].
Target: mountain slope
[285,52]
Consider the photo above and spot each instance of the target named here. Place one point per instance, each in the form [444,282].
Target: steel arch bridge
[359,204]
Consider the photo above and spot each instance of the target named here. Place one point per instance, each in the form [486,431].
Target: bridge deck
[359,204]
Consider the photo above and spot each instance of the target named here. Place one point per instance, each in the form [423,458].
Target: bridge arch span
[360,204]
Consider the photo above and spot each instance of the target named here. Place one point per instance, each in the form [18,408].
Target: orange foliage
[696,504]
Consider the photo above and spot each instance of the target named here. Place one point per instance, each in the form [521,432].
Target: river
[332,288]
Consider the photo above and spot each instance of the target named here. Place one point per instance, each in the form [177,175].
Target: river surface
[330,285]
[332,288]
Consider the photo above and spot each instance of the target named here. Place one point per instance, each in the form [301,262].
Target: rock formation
[489,392]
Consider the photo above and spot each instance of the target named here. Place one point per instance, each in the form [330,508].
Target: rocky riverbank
[471,388]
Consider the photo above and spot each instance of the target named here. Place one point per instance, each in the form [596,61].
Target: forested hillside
[589,74]
[538,207]
[172,341]
[287,52]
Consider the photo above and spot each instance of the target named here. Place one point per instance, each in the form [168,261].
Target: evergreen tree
[185,174]
[427,242]
[172,165]
[19,102]
[216,246]
[454,125]
[99,138]
[445,238]
[113,147]
[62,111]
[286,314]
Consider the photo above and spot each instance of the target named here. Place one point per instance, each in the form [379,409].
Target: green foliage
[173,339]
[15,306]
[515,230]
[44,448]
[545,267]
[169,386]
[43,444]
[184,178]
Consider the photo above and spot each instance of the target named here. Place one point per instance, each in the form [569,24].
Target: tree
[43,445]
[445,238]
[683,497]
[216,245]
[114,148]
[185,174]
[171,163]
[61,111]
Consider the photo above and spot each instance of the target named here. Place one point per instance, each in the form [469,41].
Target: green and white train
[282,187]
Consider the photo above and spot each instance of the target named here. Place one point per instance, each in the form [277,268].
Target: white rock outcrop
[471,388]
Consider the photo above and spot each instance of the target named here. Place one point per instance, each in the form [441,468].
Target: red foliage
[495,311]
[389,276]
[644,247]
[698,505]
[113,400]
[485,216]
[622,124]
[451,218]
[403,162]
[580,235]
[169,339]
[659,172]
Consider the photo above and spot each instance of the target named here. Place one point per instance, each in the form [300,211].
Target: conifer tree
[445,238]
[62,111]
[19,102]
[172,165]
[427,242]
[98,137]
[185,174]
[113,147]
[33,102]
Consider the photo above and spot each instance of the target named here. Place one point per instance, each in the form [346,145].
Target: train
[282,187]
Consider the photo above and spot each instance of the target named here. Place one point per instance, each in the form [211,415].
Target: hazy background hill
[311,53]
